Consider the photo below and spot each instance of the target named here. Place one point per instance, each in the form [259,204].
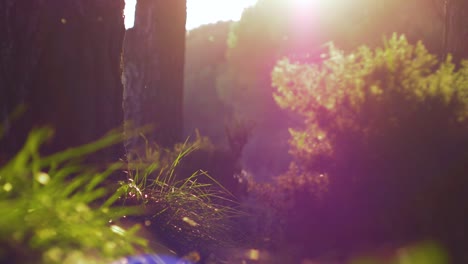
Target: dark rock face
[62,60]
[153,70]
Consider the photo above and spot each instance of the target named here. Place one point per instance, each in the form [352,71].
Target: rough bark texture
[153,70]
[61,59]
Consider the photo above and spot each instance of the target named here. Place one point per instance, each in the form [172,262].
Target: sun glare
[200,12]
[306,2]
[321,5]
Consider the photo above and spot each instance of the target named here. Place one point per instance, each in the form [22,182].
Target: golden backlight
[200,12]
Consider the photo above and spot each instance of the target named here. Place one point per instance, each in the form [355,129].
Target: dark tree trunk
[62,60]
[153,73]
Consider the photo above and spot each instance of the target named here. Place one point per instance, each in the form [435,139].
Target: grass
[55,210]
[192,214]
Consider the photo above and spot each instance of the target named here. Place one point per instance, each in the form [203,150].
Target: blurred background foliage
[205,60]
[237,85]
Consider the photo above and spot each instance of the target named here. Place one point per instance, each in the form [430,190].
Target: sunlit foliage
[380,102]
[388,128]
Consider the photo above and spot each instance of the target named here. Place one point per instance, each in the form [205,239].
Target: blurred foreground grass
[56,210]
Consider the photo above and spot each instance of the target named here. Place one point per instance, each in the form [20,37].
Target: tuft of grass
[55,210]
[192,214]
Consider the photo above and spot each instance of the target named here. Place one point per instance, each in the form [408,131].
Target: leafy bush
[388,128]
[55,210]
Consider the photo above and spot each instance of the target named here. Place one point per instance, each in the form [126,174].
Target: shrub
[389,129]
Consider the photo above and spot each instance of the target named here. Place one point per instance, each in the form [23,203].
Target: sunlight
[200,12]
[129,13]
[307,3]
[322,6]
[309,15]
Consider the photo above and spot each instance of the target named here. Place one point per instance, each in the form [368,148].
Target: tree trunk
[153,71]
[61,59]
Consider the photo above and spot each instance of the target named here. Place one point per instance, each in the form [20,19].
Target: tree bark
[154,52]
[61,59]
